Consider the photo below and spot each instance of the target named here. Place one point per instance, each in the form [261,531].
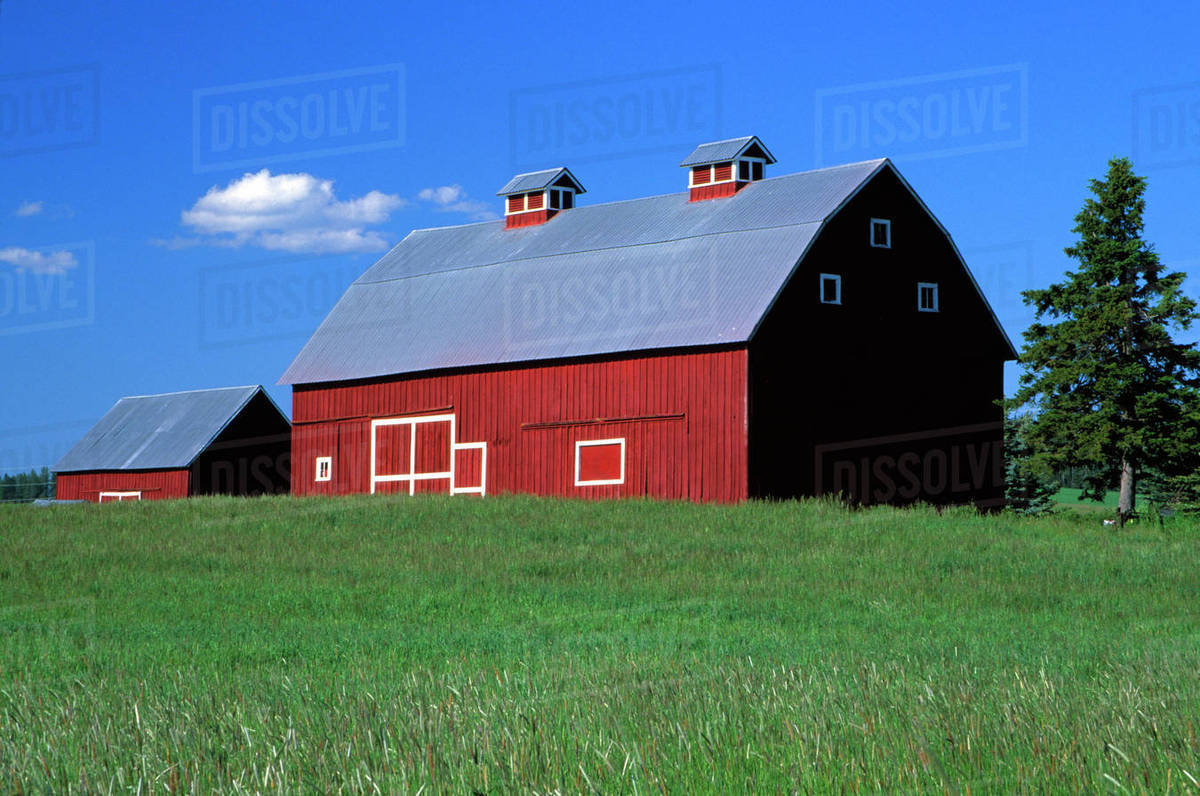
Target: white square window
[600,461]
[927,296]
[324,468]
[881,233]
[831,289]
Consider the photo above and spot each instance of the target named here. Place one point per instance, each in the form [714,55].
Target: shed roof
[719,151]
[147,432]
[537,180]
[659,272]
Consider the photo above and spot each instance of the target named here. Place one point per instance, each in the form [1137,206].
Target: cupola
[722,168]
[536,197]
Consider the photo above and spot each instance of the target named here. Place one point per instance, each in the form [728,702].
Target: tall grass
[392,644]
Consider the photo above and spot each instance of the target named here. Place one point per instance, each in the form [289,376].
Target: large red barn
[230,440]
[805,334]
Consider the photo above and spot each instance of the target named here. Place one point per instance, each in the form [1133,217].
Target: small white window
[324,468]
[831,289]
[881,233]
[600,461]
[927,296]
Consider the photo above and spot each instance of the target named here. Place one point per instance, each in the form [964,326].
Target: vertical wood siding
[683,418]
[153,484]
[721,189]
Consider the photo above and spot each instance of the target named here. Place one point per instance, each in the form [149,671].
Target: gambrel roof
[150,432]
[641,274]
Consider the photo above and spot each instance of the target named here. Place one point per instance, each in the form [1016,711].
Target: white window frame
[455,446]
[837,279]
[525,208]
[559,195]
[582,443]
[120,496]
[328,462]
[750,161]
[887,225]
[936,304]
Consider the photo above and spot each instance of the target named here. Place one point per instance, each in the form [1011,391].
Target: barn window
[534,202]
[927,296]
[516,203]
[881,233]
[723,172]
[701,175]
[560,200]
[744,170]
[324,468]
[600,461]
[831,289]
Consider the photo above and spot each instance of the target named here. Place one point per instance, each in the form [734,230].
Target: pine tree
[1108,386]
[1026,490]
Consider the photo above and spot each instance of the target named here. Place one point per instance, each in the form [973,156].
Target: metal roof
[719,151]
[537,180]
[147,432]
[659,272]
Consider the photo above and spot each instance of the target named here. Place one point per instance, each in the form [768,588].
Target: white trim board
[582,443]
[412,477]
[120,496]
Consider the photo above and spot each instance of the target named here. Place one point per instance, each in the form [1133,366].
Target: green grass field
[525,645]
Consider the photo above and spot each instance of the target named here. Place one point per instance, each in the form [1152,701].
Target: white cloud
[288,212]
[50,262]
[26,209]
[453,199]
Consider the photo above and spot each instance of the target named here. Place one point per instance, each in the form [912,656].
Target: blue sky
[187,187]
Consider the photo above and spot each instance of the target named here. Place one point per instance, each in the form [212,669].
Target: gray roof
[148,432]
[537,180]
[660,272]
[719,151]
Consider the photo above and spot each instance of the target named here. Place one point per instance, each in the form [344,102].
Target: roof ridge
[874,161]
[185,392]
[493,263]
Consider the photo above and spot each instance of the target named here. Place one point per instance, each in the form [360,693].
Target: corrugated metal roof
[718,151]
[537,180]
[157,431]
[659,272]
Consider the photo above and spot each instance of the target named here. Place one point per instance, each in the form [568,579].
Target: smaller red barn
[231,440]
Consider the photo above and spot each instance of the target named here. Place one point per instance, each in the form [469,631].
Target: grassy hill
[518,644]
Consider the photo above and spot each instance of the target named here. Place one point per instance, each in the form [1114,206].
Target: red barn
[805,334]
[152,447]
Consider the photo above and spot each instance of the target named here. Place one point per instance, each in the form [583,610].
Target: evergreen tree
[1179,493]
[1026,490]
[1108,386]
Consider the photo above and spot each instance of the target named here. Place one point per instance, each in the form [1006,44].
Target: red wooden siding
[683,418]
[529,219]
[535,201]
[701,175]
[723,172]
[516,203]
[153,484]
[716,191]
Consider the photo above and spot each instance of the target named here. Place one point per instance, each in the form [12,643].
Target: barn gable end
[224,441]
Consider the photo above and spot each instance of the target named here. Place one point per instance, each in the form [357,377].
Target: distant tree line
[24,487]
